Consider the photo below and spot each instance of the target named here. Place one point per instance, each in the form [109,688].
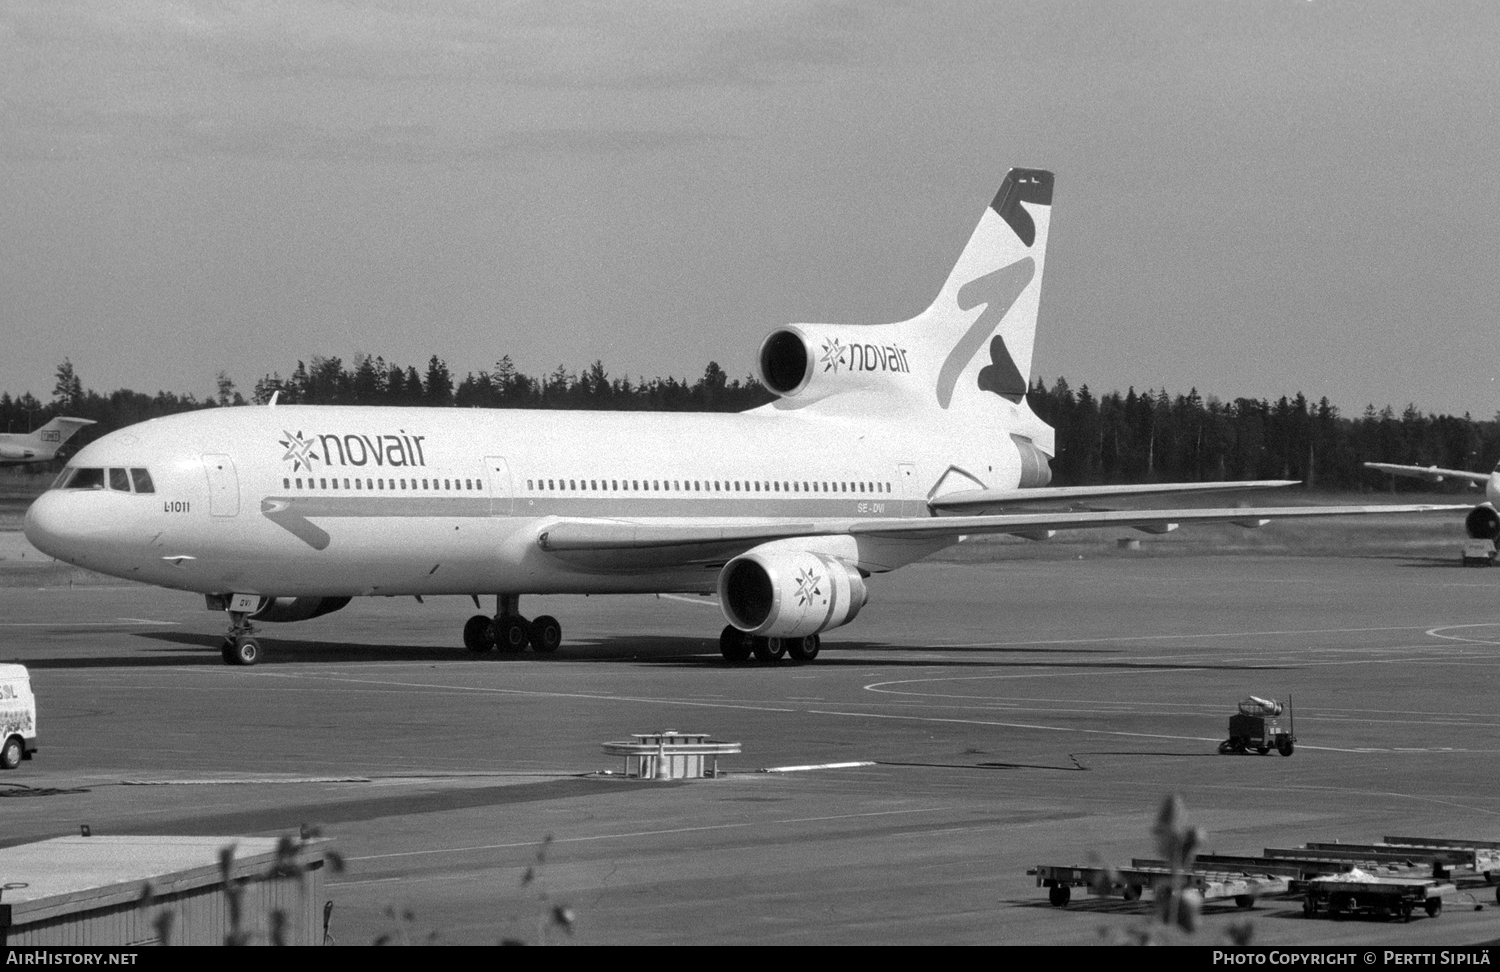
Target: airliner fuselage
[349,501]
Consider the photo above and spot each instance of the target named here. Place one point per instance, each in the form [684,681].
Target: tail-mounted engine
[1483,522]
[811,361]
[789,594]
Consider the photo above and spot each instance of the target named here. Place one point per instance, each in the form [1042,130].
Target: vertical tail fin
[992,296]
[60,430]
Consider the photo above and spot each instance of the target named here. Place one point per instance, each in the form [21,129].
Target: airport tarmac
[1009,713]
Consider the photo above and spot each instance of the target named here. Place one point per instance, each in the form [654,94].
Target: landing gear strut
[239,647]
[509,631]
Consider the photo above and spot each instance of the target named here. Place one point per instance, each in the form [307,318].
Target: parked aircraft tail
[42,444]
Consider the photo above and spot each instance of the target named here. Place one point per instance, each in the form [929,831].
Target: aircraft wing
[1428,472]
[976,500]
[622,534]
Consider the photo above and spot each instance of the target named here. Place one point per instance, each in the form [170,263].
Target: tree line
[1156,437]
[1110,438]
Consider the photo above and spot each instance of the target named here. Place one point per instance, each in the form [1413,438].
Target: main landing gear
[510,632]
[736,646]
[239,646]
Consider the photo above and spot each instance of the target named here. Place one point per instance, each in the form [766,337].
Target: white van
[17,716]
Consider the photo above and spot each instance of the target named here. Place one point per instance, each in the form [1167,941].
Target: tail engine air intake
[812,361]
[789,594]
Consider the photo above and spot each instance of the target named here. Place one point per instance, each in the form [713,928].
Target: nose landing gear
[239,647]
[509,631]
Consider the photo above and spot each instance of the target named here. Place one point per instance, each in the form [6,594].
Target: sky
[1253,198]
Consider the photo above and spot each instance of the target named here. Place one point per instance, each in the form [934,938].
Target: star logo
[807,587]
[299,451]
[833,355]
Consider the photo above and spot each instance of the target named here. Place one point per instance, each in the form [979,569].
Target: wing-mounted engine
[808,362]
[1483,522]
[780,593]
[298,608]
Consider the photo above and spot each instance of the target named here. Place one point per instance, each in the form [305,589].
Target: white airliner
[1483,521]
[39,446]
[887,443]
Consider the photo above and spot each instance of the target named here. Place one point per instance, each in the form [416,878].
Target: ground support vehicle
[1259,733]
[17,716]
[1478,553]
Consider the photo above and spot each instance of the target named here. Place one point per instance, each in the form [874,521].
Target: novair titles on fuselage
[353,449]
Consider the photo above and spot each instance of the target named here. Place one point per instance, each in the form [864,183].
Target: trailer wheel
[1244,900]
[1059,895]
[11,753]
[1262,750]
[1132,892]
[1434,907]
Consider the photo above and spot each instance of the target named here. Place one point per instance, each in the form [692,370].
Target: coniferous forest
[1115,437]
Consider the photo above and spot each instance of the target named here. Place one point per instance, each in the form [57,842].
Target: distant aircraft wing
[1428,472]
[978,500]
[600,534]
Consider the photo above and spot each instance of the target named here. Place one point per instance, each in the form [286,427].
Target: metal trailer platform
[1131,882]
[1438,865]
[1390,897]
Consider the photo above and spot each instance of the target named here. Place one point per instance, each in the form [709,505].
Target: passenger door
[223,486]
[502,497]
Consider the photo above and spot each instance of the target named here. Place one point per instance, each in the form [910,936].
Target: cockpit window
[85,478]
[142,481]
[118,480]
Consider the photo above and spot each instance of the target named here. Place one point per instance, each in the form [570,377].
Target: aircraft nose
[49,528]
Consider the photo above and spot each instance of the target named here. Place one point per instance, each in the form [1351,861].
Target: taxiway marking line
[500,691]
[81,624]
[646,833]
[1165,637]
[1438,633]
[1113,732]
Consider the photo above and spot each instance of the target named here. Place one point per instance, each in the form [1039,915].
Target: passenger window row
[114,478]
[332,483]
[703,486]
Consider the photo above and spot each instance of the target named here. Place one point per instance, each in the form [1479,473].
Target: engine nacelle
[16,452]
[1483,522]
[811,361]
[789,594]
[298,608]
